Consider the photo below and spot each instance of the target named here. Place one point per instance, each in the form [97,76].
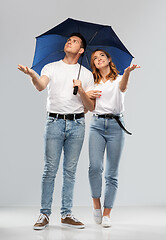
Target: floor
[129,223]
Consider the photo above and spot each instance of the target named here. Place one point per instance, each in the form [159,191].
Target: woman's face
[100,60]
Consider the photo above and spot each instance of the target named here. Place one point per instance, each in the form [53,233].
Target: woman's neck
[104,72]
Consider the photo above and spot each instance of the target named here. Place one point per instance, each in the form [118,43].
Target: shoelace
[72,217]
[41,218]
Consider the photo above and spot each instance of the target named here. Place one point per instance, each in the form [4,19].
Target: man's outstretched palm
[26,70]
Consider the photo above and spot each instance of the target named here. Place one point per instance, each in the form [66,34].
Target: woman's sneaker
[106,222]
[70,221]
[42,222]
[97,215]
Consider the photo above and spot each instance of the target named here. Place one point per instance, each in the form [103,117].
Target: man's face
[73,45]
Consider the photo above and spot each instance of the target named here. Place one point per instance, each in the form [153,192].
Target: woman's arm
[125,78]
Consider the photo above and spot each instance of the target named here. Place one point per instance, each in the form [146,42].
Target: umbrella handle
[76,87]
[75,90]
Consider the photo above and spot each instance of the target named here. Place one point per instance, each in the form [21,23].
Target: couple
[101,92]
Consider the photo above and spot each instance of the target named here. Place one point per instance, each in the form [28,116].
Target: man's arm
[93,94]
[40,83]
[88,103]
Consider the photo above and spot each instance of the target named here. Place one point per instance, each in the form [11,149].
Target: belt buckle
[64,117]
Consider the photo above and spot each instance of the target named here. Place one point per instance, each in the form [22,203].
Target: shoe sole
[40,228]
[106,226]
[72,226]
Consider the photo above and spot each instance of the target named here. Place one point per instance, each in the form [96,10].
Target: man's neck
[70,59]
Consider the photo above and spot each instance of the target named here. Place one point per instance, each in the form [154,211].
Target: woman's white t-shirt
[60,88]
[112,98]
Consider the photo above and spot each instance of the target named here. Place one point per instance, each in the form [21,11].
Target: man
[65,125]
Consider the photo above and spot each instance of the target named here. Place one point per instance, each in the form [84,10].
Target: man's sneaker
[70,221]
[97,215]
[42,222]
[106,222]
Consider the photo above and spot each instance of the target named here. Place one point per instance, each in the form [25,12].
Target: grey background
[141,27]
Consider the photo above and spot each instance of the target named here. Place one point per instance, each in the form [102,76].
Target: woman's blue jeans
[61,135]
[105,134]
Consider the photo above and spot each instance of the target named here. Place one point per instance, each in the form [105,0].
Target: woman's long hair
[112,75]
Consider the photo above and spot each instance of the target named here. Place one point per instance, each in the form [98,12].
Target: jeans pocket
[94,118]
[50,119]
[80,121]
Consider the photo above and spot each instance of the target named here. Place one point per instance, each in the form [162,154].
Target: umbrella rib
[93,37]
[117,37]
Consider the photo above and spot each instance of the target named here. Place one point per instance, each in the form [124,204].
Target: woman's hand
[131,68]
[93,94]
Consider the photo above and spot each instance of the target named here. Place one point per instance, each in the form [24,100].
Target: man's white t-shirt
[60,87]
[112,98]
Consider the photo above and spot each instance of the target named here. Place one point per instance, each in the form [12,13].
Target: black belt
[117,118]
[66,116]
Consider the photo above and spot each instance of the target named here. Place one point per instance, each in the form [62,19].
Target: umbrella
[49,45]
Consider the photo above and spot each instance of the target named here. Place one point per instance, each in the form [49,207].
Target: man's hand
[26,70]
[39,82]
[87,102]
[93,94]
[78,84]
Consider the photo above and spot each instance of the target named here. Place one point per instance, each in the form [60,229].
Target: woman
[106,131]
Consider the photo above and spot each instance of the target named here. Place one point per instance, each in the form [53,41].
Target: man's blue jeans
[105,134]
[67,135]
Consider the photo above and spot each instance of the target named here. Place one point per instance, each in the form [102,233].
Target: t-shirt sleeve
[119,78]
[46,70]
[90,85]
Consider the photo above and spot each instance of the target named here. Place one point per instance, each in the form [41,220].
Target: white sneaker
[97,215]
[106,222]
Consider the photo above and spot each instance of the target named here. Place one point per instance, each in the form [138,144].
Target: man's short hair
[83,44]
